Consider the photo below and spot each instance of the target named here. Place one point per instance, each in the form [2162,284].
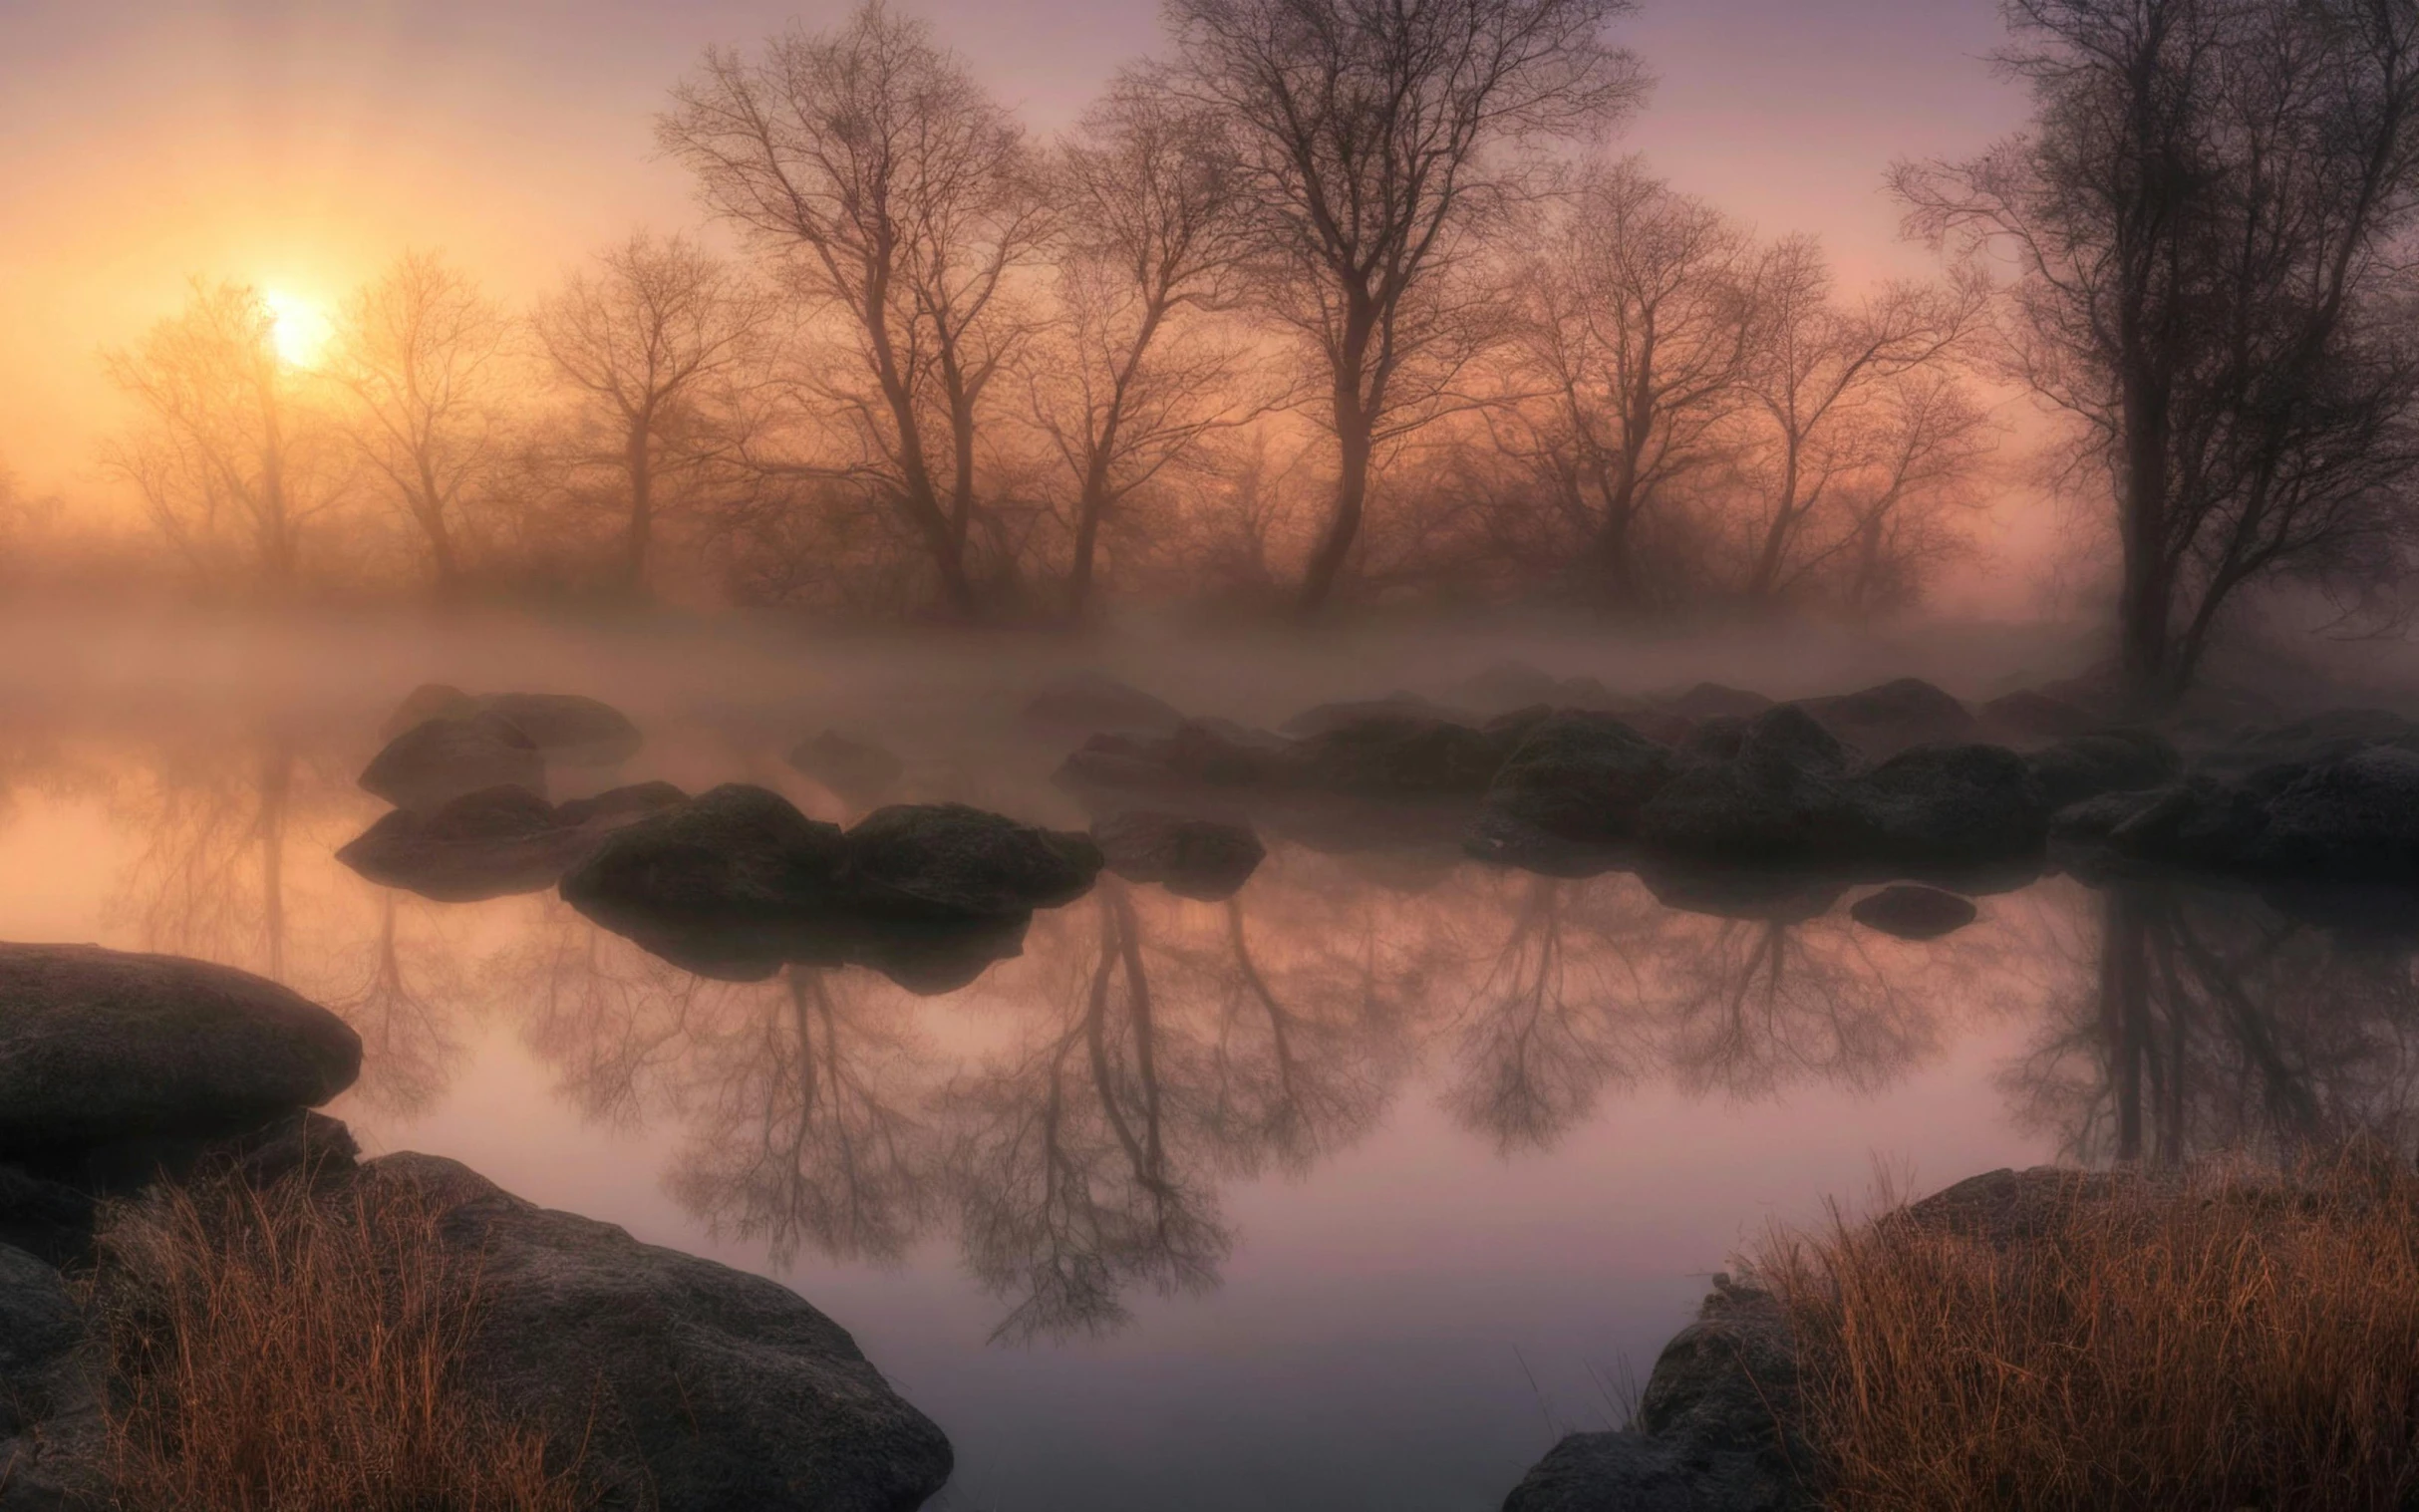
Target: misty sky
[300,143]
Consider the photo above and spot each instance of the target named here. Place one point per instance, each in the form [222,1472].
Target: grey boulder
[1891,717]
[734,854]
[441,759]
[952,861]
[1580,777]
[1783,798]
[1207,860]
[1954,807]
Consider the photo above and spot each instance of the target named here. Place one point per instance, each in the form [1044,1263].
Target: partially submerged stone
[949,860]
[1952,806]
[496,842]
[1580,777]
[1204,859]
[1783,798]
[1400,756]
[441,759]
[733,855]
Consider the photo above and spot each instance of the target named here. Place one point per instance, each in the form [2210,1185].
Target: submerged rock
[950,861]
[2350,818]
[860,772]
[1913,913]
[99,1046]
[1579,776]
[1204,859]
[681,1385]
[441,759]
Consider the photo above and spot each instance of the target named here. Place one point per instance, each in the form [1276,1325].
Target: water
[1353,1192]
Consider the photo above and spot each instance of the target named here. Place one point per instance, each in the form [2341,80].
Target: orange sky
[301,144]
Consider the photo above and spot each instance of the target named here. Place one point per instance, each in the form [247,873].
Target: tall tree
[421,353]
[226,458]
[2212,220]
[1128,383]
[644,341]
[1377,134]
[901,199]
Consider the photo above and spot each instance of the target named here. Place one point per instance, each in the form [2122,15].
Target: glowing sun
[299,328]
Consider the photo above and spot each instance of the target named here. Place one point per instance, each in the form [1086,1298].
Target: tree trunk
[2144,603]
[640,532]
[1088,511]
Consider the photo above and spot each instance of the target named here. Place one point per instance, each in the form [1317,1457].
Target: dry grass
[2218,1340]
[294,1349]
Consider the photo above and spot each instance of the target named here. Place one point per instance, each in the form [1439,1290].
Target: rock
[1400,756]
[2306,741]
[1716,739]
[2353,818]
[1883,720]
[2030,715]
[1913,913]
[47,1218]
[927,957]
[1954,807]
[2112,760]
[99,1046]
[1203,859]
[1579,776]
[1323,718]
[1783,798]
[1711,700]
[857,772]
[950,861]
[619,805]
[441,759]
[429,700]
[53,1442]
[733,856]
[684,1385]
[1716,1429]
[2196,824]
[566,727]
[485,844]
[1093,702]
[1198,753]
[1517,684]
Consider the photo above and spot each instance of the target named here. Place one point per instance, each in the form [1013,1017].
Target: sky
[300,144]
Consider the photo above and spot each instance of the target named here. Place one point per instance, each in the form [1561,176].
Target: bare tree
[1817,369]
[645,341]
[901,199]
[1127,387]
[1377,134]
[228,462]
[2211,218]
[1630,346]
[420,351]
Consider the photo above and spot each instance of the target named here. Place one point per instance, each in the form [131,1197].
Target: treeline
[1335,297]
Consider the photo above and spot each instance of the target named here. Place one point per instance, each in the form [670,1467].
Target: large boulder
[2109,761]
[1208,860]
[2305,741]
[1400,756]
[2354,819]
[485,844]
[1783,798]
[569,728]
[1883,720]
[441,759]
[733,856]
[1321,719]
[1197,754]
[1581,778]
[1093,702]
[99,1046]
[858,772]
[950,861]
[681,1385]
[2198,825]
[54,1440]
[1716,1429]
[1954,807]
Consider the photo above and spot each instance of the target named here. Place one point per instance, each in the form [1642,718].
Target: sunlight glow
[301,329]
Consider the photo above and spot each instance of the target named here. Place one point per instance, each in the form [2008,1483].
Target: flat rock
[1208,860]
[441,759]
[485,844]
[685,1385]
[97,1046]
[1913,913]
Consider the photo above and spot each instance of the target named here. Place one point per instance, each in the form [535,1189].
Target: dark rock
[1324,719]
[619,805]
[1197,754]
[1954,807]
[98,1044]
[1093,702]
[1783,799]
[733,856]
[1716,739]
[1713,700]
[950,861]
[1400,756]
[1204,859]
[682,1385]
[2351,818]
[1516,685]
[2304,742]
[2111,760]
[429,700]
[485,844]
[1913,913]
[927,957]
[1757,894]
[45,1217]
[858,772]
[441,759]
[1579,776]
[1887,719]
[2029,717]
[568,728]
[54,1441]
[2196,824]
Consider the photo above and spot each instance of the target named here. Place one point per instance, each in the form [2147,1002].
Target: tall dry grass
[2223,1339]
[300,1347]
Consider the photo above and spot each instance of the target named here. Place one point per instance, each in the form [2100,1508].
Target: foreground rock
[1203,859]
[1713,1431]
[495,842]
[99,1046]
[437,761]
[1913,913]
[2083,767]
[52,1439]
[683,1385]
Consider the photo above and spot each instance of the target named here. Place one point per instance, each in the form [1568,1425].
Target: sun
[298,328]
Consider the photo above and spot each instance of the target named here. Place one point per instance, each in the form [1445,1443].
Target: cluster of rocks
[676,1384]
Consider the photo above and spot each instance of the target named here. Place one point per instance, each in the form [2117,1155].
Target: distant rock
[2305,741]
[1093,702]
[950,861]
[858,772]
[1913,913]
[429,700]
[1707,701]
[495,842]
[2112,760]
[2029,717]
[1517,684]
[1579,776]
[441,759]
[1203,859]
[1883,720]
[99,1046]
[1952,806]
[1400,756]
[568,728]
[679,1385]
[1326,718]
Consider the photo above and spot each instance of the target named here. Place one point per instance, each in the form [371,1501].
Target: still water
[1352,1192]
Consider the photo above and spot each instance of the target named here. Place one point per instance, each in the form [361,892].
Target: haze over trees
[1343,302]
